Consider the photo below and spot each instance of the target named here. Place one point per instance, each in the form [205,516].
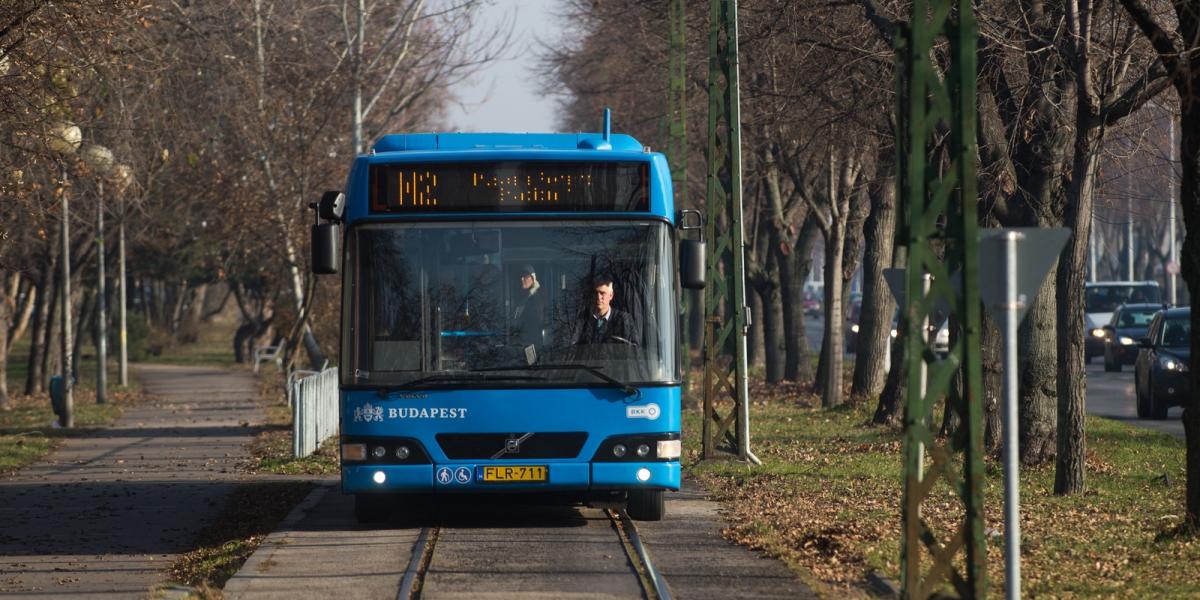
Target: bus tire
[372,508]
[646,505]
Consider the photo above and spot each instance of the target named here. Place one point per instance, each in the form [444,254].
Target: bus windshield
[1106,298]
[499,304]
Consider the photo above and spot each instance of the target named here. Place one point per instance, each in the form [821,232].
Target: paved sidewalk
[106,514]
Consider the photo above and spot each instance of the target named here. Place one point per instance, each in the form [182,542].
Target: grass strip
[249,515]
[29,431]
[827,501]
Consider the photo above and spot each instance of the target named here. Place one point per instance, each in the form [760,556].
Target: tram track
[418,564]
[653,584]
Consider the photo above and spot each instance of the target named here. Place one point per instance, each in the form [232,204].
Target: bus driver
[603,323]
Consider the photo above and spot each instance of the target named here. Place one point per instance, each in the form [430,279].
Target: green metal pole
[725,296]
[926,102]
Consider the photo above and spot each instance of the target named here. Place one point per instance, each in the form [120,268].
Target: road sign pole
[1173,277]
[1012,490]
[101,308]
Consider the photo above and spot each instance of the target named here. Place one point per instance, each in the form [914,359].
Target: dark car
[853,314]
[1130,322]
[1101,298]
[1160,375]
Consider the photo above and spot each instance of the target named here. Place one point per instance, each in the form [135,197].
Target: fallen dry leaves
[827,502]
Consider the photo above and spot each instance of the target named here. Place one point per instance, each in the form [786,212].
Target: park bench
[264,354]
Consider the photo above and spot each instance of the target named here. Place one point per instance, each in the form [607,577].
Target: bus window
[435,298]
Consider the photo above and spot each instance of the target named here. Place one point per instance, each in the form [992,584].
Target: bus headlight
[643,474]
[379,477]
[669,448]
[402,453]
[379,452]
[639,447]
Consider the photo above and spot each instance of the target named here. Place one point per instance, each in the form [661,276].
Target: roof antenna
[607,124]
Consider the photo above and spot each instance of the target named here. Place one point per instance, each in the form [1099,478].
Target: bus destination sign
[510,186]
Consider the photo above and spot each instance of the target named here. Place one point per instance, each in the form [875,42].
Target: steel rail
[417,565]
[659,583]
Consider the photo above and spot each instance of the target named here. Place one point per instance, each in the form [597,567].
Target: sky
[501,97]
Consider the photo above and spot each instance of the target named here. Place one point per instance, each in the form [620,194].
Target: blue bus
[509,318]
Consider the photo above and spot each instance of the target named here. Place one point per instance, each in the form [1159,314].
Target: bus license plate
[514,473]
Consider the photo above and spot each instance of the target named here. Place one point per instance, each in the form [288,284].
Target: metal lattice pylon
[725,296]
[926,104]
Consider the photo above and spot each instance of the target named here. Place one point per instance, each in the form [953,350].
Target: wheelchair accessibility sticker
[462,475]
[447,476]
[649,411]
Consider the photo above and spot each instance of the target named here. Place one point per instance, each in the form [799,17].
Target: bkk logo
[368,413]
[649,411]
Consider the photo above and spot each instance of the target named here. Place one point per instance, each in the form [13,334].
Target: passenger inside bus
[529,316]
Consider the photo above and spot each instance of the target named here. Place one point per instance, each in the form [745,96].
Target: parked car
[1160,375]
[1130,322]
[1101,298]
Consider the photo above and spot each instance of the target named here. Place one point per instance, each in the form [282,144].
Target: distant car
[1160,375]
[852,318]
[812,304]
[1130,322]
[1101,298]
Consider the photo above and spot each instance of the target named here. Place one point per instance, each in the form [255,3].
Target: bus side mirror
[325,249]
[331,206]
[692,264]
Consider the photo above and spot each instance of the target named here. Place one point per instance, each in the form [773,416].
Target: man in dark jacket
[603,323]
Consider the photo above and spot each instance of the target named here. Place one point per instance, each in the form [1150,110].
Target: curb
[235,586]
[881,586]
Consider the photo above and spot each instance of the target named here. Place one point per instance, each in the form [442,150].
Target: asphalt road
[1111,395]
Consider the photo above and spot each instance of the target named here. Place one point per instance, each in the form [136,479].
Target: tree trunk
[1038,400]
[794,266]
[37,338]
[755,348]
[774,345]
[1190,259]
[24,314]
[831,393]
[878,305]
[52,355]
[1072,275]
[992,358]
[891,400]
[6,310]
[85,299]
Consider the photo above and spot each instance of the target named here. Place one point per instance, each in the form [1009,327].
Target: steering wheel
[622,340]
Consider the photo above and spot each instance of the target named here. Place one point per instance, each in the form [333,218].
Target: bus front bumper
[464,477]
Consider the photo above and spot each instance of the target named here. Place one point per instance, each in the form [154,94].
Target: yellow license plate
[513,473]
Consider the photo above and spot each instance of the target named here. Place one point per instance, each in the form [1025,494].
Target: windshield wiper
[468,377]
[625,387]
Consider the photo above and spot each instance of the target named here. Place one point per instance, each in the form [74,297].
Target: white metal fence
[314,411]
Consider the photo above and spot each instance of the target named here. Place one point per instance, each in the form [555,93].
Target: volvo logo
[512,445]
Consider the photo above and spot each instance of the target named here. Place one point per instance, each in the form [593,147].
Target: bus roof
[410,142]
